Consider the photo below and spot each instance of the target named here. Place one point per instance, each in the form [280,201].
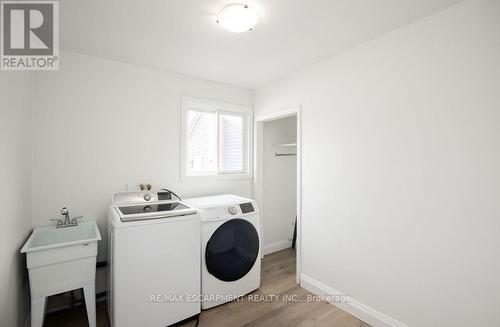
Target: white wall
[401,157]
[280,184]
[100,125]
[15,195]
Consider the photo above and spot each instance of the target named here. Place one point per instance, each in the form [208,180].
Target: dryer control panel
[232,210]
[246,207]
[223,207]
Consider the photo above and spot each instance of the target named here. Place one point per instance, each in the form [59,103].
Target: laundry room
[249,163]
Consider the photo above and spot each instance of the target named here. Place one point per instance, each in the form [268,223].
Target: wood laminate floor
[278,302]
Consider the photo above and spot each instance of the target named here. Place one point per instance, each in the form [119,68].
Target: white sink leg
[89,293]
[38,311]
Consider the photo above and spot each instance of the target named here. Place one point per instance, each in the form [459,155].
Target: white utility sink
[45,238]
[61,260]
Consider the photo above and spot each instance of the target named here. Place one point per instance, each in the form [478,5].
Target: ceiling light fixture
[237,18]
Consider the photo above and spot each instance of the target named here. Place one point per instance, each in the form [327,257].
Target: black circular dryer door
[232,250]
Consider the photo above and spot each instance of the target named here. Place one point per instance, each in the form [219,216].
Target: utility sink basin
[61,260]
[44,238]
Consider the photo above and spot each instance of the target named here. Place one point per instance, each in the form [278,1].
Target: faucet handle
[58,220]
[74,221]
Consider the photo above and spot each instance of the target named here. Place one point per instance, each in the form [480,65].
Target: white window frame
[217,107]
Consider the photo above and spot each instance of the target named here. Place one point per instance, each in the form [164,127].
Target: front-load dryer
[230,247]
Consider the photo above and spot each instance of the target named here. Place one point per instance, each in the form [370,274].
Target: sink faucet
[65,213]
[67,222]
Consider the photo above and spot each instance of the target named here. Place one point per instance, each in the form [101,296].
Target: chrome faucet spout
[65,213]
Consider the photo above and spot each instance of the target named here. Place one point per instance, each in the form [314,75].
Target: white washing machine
[230,247]
[153,260]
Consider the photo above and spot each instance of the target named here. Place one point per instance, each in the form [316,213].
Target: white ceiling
[182,36]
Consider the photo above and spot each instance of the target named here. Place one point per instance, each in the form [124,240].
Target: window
[231,138]
[216,139]
[201,141]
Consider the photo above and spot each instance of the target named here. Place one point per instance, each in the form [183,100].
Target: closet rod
[284,154]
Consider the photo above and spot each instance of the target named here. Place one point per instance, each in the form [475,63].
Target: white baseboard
[276,246]
[354,307]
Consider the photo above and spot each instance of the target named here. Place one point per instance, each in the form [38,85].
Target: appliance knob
[147,196]
[232,210]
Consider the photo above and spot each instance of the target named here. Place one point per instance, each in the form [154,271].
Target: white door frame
[258,173]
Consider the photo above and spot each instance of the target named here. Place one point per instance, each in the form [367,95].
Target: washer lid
[154,210]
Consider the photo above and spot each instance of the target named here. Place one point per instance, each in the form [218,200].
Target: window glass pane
[201,142]
[231,143]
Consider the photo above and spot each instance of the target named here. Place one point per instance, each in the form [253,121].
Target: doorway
[278,181]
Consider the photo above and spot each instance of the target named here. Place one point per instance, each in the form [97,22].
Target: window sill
[216,177]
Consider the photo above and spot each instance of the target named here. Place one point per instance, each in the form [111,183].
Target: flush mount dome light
[237,18]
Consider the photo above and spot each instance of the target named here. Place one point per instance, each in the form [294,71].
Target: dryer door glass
[232,250]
